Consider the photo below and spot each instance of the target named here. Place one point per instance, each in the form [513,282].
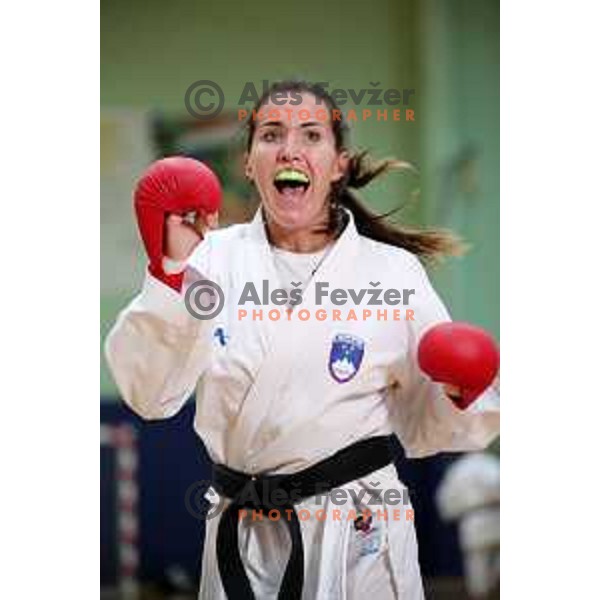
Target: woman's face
[293,161]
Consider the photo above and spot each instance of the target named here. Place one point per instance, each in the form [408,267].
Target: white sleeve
[424,418]
[156,350]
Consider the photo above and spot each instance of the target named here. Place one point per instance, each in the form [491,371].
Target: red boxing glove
[172,185]
[461,355]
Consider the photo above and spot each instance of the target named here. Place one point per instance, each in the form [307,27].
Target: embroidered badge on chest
[345,356]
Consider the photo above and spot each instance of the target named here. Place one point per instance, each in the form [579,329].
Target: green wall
[152,51]
[460,60]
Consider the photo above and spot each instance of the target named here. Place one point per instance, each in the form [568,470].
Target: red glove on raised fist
[172,185]
[460,355]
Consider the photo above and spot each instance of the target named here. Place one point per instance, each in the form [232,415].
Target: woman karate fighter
[296,413]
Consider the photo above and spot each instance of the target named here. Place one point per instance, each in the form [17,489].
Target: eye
[313,135]
[270,135]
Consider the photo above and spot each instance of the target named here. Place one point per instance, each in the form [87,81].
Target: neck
[301,241]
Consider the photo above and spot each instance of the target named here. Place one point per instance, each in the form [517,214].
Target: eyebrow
[271,124]
[313,123]
[280,124]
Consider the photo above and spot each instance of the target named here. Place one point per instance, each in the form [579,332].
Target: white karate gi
[267,402]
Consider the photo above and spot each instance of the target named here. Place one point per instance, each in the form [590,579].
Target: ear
[248,166]
[341,166]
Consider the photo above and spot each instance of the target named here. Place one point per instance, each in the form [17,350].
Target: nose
[290,149]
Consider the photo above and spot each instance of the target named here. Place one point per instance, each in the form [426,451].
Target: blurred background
[152,52]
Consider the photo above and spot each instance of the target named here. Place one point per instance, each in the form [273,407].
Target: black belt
[280,493]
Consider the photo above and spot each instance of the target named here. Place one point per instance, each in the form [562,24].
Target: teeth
[292,175]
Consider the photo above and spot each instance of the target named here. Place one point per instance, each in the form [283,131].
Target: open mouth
[291,182]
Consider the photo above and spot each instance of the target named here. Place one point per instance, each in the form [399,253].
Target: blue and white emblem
[345,357]
[221,336]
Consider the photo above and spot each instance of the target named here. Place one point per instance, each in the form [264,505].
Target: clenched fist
[182,236]
[168,191]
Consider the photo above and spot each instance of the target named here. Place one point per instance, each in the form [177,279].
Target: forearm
[156,352]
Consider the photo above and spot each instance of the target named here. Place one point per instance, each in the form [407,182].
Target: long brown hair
[432,244]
